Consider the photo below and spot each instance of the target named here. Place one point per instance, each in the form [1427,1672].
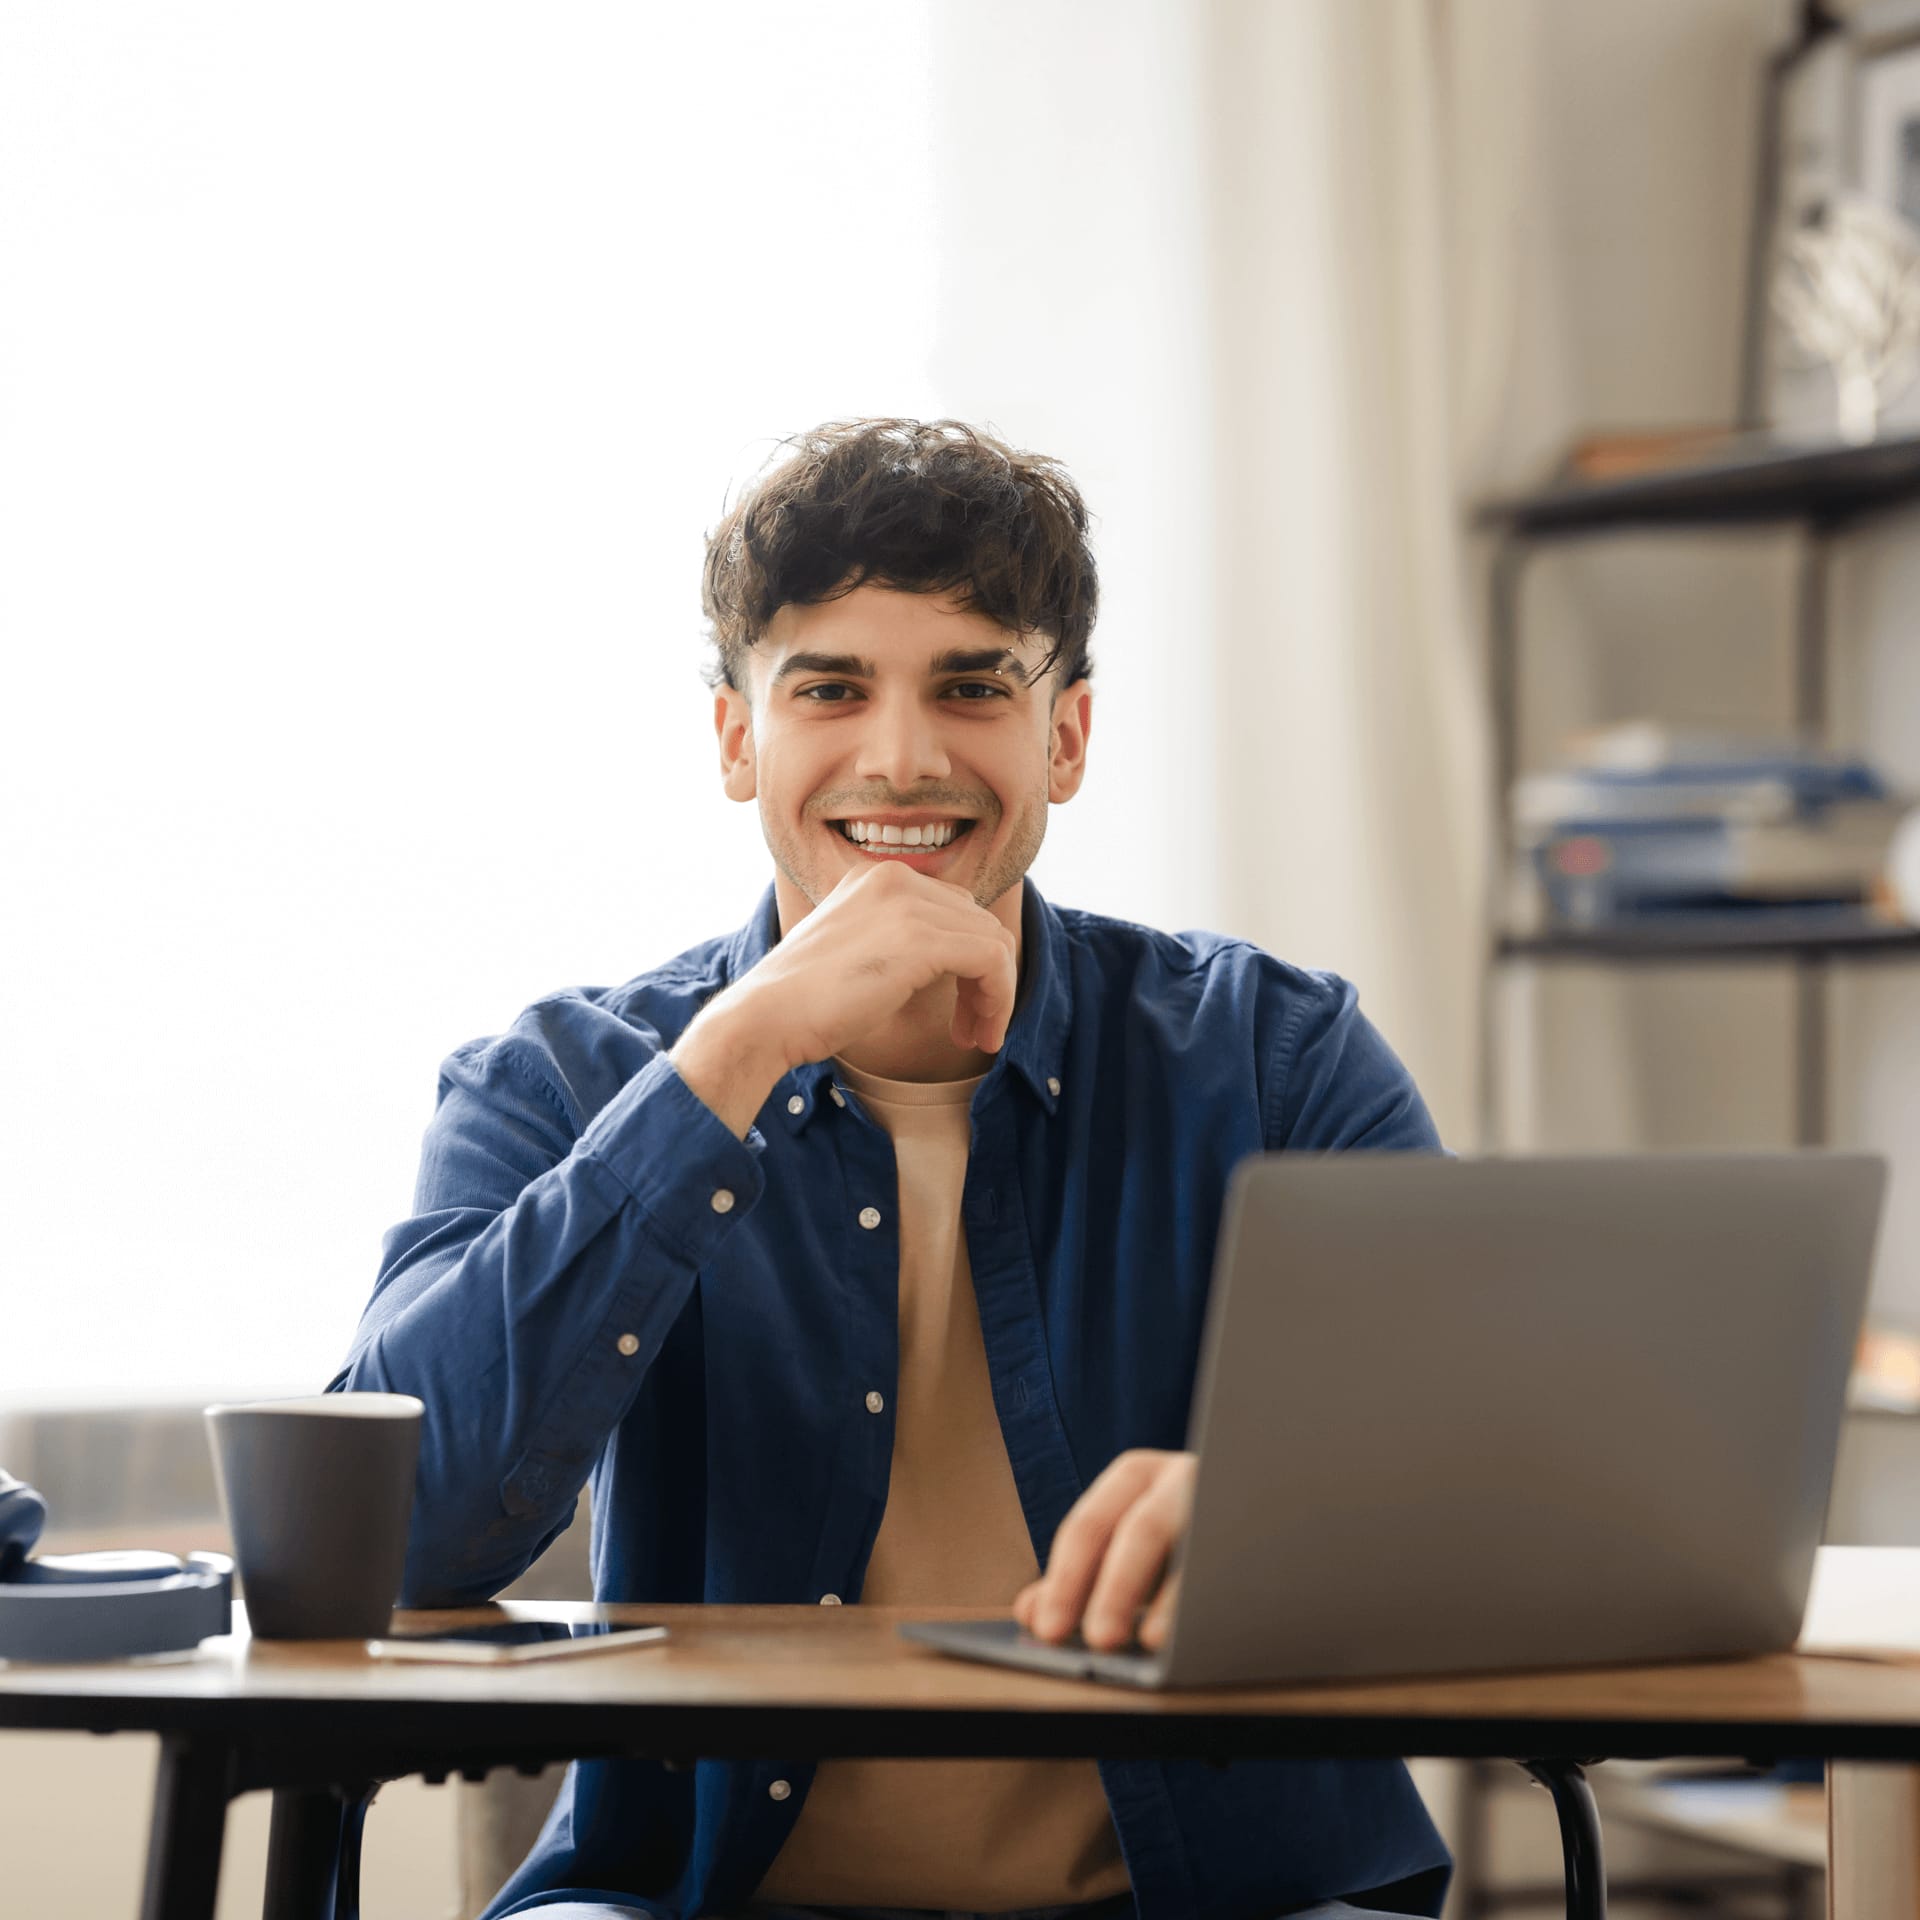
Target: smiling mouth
[882,838]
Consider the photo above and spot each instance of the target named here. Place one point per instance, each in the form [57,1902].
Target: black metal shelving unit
[1822,492]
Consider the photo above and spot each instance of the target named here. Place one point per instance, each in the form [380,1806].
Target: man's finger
[1154,1628]
[1081,1543]
[974,1026]
[984,1008]
[987,983]
[1131,1569]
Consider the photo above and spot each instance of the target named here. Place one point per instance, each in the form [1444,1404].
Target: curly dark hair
[920,506]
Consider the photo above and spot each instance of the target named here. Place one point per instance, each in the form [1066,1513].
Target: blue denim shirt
[600,1282]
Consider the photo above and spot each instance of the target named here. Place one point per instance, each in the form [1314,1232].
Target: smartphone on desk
[499,1642]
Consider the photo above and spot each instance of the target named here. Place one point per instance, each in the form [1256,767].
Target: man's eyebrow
[977,660]
[849,664]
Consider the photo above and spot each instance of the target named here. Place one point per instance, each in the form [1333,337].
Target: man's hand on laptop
[1107,1573]
[875,941]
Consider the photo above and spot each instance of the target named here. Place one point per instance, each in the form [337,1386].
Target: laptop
[1458,1416]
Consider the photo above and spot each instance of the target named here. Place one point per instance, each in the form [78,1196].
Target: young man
[861,1254]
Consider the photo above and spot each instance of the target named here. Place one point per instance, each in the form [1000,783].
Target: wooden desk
[819,1682]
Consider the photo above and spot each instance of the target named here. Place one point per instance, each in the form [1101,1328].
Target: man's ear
[733,726]
[1071,723]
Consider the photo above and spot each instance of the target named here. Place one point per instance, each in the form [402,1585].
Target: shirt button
[829,1599]
[869,1217]
[779,1790]
[722,1200]
[1053,1086]
[839,1099]
[876,1403]
[796,1105]
[629,1344]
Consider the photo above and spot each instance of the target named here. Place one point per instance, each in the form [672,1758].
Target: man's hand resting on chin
[1111,1554]
[875,941]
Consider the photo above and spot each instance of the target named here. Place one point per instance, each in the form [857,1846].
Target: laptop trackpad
[1007,1643]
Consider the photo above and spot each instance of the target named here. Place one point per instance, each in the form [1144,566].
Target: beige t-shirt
[980,1835]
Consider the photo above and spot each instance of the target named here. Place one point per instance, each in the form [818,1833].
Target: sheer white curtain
[1205,250]
[1351,789]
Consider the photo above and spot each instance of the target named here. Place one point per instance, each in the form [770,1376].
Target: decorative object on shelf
[1644,824]
[1847,291]
[1902,883]
[1625,454]
[1839,208]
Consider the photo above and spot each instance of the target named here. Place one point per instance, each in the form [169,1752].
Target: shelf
[1826,485]
[1721,938]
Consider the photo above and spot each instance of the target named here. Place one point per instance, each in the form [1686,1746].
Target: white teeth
[868,833]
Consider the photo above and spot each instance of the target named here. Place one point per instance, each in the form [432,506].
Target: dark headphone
[101,1606]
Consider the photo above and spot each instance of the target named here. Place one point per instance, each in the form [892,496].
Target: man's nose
[901,746]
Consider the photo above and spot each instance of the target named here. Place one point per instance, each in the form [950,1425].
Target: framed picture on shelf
[1840,167]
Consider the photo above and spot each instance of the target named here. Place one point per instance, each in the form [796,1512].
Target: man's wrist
[727,1059]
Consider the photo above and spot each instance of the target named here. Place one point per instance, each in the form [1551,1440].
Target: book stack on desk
[1644,824]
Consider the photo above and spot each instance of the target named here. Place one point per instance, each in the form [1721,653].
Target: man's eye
[826,694]
[976,691]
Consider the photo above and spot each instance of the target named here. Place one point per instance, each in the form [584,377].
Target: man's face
[902,727]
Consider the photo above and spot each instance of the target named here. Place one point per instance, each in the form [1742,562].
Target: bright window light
[368,377]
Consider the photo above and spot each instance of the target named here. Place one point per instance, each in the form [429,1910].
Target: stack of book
[1644,823]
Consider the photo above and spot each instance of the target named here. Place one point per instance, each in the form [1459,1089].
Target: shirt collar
[1036,1046]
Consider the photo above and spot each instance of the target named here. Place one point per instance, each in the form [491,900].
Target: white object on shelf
[1903,867]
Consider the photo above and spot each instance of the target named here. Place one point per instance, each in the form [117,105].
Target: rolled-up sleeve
[533,1286]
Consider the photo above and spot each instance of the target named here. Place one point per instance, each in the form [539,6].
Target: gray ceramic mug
[318,1493]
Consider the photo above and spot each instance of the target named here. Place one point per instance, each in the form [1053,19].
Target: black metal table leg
[1566,1780]
[353,1821]
[313,1852]
[191,1789]
[303,1853]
